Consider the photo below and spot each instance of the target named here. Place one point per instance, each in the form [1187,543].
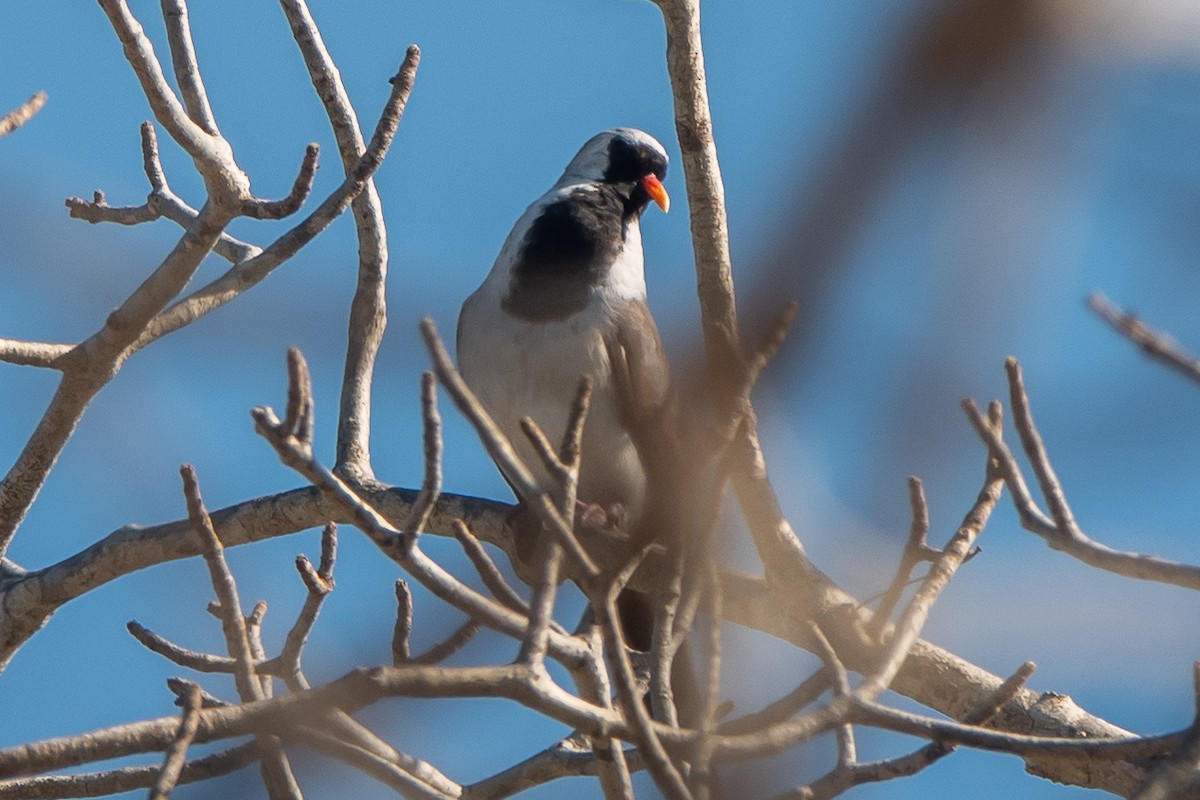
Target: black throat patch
[568,252]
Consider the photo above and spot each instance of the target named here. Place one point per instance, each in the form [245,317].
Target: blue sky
[982,230]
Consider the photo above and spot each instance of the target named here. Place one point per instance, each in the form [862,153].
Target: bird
[569,281]
[569,278]
[564,298]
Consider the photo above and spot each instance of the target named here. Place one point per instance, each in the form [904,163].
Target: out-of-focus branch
[22,114]
[1155,344]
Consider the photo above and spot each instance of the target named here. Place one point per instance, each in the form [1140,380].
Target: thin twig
[1070,539]
[594,686]
[666,776]
[254,621]
[182,688]
[277,773]
[541,606]
[127,779]
[295,454]
[402,630]
[431,484]
[258,208]
[176,754]
[191,659]
[186,68]
[844,733]
[1156,344]
[846,776]
[664,645]
[492,578]
[319,583]
[908,626]
[916,550]
[233,624]
[700,780]
[564,759]
[447,647]
[502,451]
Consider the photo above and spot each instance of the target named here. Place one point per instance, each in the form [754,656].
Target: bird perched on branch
[568,284]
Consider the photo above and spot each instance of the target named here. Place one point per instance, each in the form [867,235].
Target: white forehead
[638,136]
[591,161]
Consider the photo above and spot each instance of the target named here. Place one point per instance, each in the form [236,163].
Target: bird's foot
[596,516]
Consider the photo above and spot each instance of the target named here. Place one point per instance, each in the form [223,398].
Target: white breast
[520,368]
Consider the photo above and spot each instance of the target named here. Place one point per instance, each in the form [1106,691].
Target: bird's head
[627,158]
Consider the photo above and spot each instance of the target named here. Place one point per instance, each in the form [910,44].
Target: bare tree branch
[22,113]
[502,452]
[1178,775]
[1155,344]
[176,755]
[277,773]
[401,652]
[793,600]
[1059,528]
[126,779]
[487,569]
[706,193]
[185,66]
[297,454]
[431,485]
[368,311]
[855,773]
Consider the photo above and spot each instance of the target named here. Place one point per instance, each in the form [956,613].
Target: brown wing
[647,407]
[641,375]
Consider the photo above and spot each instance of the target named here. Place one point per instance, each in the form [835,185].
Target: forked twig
[1058,527]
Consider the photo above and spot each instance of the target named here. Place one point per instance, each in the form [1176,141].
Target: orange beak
[657,192]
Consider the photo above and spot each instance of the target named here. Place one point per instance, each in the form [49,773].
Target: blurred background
[938,183]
